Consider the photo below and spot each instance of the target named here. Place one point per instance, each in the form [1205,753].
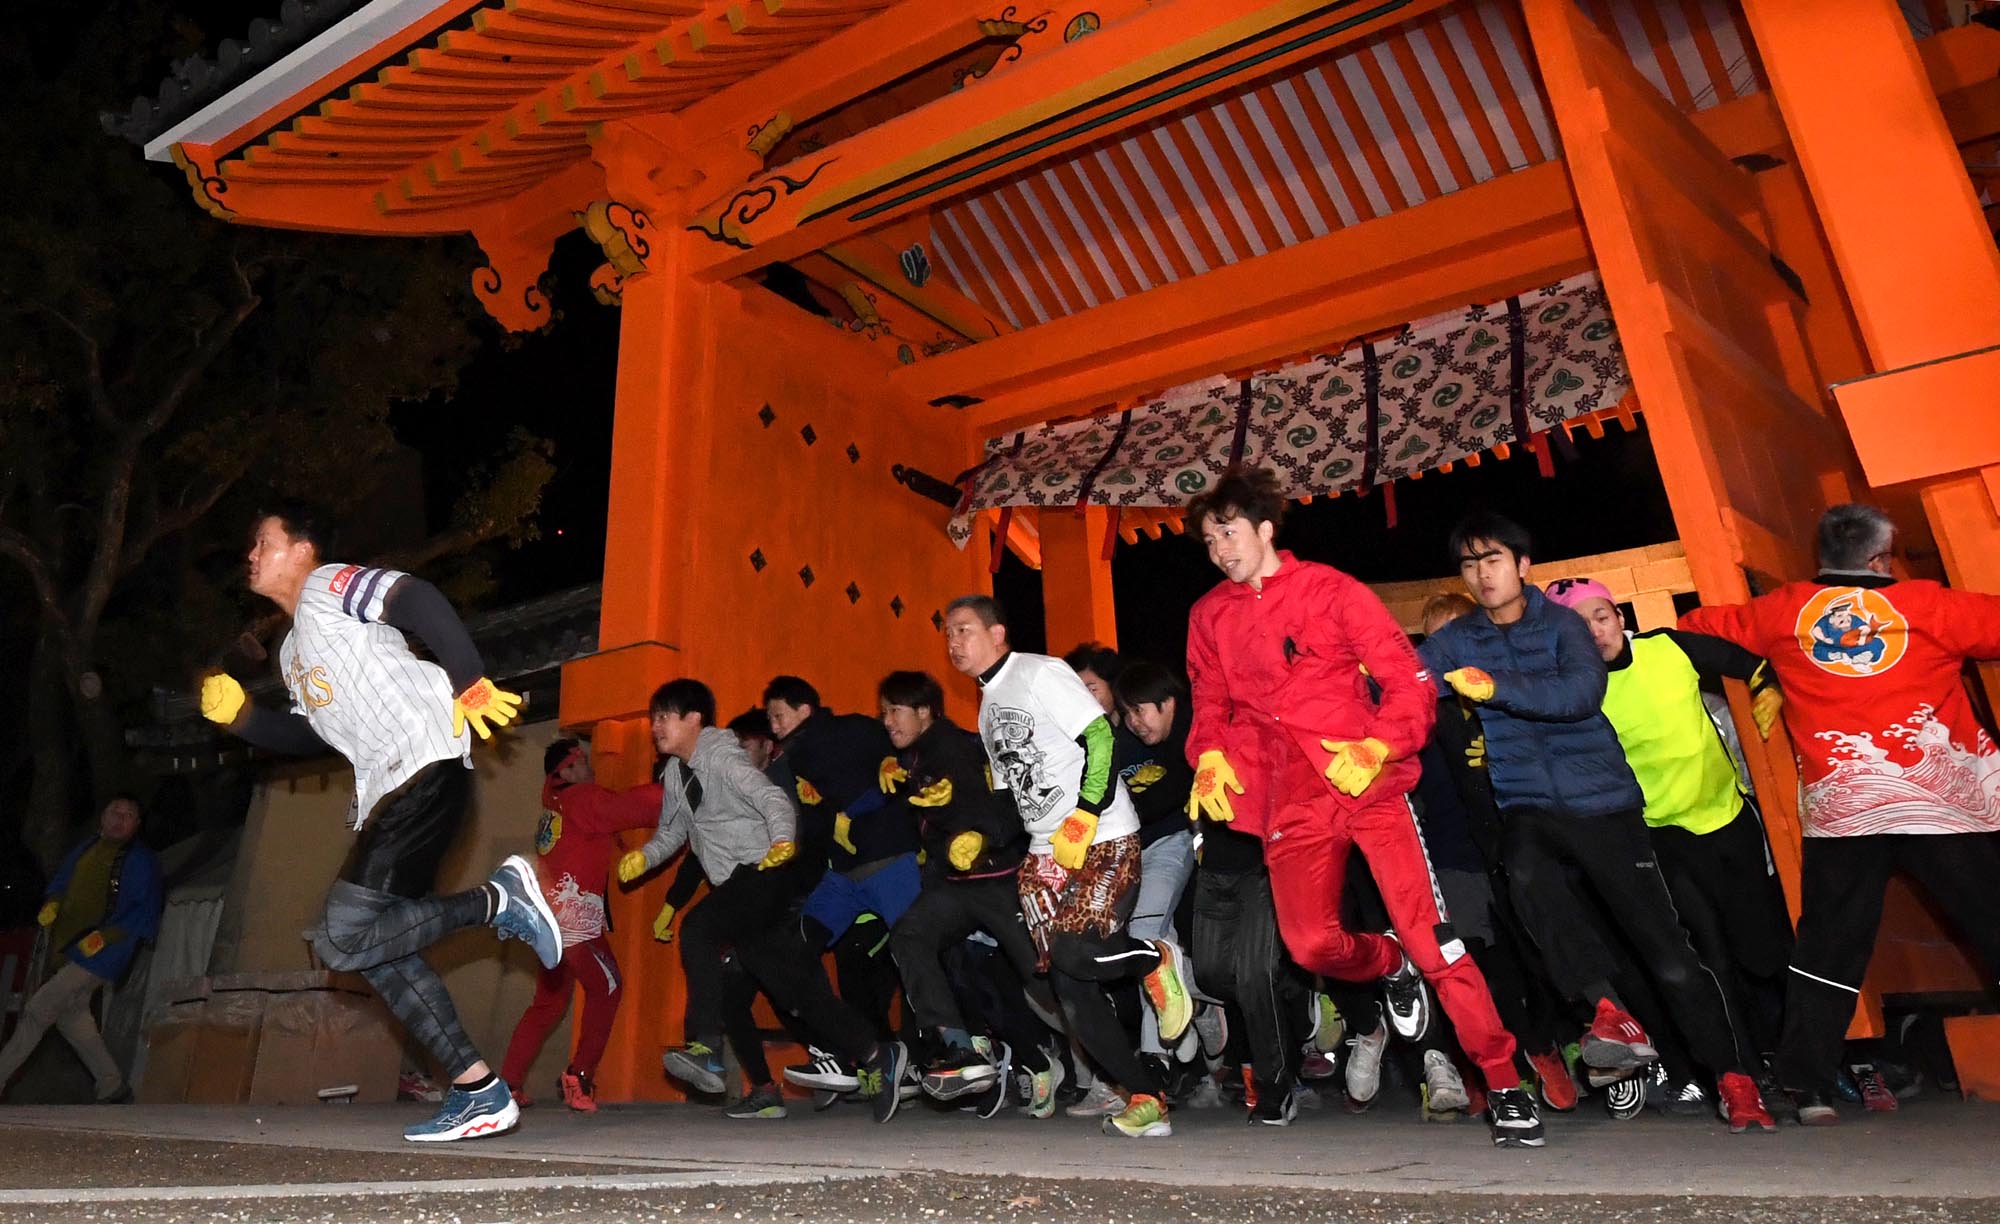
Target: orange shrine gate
[1107,210]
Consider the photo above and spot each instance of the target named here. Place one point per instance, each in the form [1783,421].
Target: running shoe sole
[891,1096]
[684,1068]
[549,950]
[949,1086]
[1161,1129]
[1608,1055]
[821,1081]
[1178,1012]
[479,1126]
[999,1094]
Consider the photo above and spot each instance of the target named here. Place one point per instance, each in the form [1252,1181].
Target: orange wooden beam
[1170,56]
[881,264]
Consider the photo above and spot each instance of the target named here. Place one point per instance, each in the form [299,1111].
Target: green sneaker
[1145,1117]
[764,1102]
[1328,1027]
[1042,1088]
[1166,990]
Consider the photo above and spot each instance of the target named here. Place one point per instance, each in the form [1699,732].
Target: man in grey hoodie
[743,830]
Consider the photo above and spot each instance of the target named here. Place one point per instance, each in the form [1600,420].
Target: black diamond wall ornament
[765,415]
[808,434]
[853,453]
[806,575]
[896,606]
[853,593]
[937,621]
[757,561]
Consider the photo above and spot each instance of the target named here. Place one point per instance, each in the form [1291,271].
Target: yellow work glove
[631,865]
[91,944]
[964,849]
[1765,706]
[937,794]
[1470,683]
[663,925]
[1213,779]
[1071,844]
[48,915]
[221,698]
[1475,753]
[842,829]
[1355,765]
[778,855]
[482,704]
[1144,776]
[808,793]
[890,772]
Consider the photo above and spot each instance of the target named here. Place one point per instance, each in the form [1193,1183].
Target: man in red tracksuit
[577,842]
[1898,773]
[1282,658]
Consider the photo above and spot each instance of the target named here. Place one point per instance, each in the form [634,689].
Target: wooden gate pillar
[1076,578]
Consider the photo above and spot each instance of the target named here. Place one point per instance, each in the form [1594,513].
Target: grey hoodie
[742,813]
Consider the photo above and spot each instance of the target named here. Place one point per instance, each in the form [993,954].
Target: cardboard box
[225,1047]
[171,1041]
[325,1038]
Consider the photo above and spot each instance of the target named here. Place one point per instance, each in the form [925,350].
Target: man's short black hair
[985,607]
[915,689]
[1853,534]
[685,697]
[1251,493]
[792,691]
[1097,658]
[1144,682]
[555,754]
[302,520]
[753,724]
[125,796]
[1493,529]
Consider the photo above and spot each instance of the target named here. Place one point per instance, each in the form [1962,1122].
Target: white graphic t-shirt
[1030,715]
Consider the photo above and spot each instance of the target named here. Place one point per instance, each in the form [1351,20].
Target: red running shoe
[1615,1040]
[1740,1105]
[1558,1090]
[1875,1094]
[578,1092]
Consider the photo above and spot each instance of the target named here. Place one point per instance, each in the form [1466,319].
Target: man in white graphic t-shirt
[357,689]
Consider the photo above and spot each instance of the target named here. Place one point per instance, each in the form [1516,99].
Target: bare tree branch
[22,550]
[100,397]
[182,516]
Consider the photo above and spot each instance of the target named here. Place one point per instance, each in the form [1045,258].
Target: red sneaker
[1558,1090]
[521,1098]
[577,1094]
[1615,1040]
[1875,1094]
[1740,1105]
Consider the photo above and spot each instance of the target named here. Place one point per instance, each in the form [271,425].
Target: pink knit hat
[1569,592]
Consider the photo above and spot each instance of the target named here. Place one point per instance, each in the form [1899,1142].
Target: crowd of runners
[1122,888]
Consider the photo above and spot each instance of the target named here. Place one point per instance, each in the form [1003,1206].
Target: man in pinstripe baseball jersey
[357,689]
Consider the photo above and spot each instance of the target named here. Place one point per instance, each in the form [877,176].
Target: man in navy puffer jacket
[1571,806]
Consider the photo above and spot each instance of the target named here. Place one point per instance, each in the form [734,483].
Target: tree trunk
[45,826]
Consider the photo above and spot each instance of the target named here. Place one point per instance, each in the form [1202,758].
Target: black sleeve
[1718,658]
[686,880]
[417,607]
[276,731]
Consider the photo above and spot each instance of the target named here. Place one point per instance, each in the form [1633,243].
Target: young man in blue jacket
[104,900]
[1572,807]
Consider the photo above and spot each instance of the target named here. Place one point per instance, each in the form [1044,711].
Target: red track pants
[590,965]
[1306,851]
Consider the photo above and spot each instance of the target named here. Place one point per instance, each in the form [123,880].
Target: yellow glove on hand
[1071,844]
[964,849]
[890,772]
[1355,765]
[663,925]
[48,915]
[221,698]
[1475,753]
[482,704]
[631,865]
[937,794]
[91,944]
[1213,779]
[842,827]
[778,855]
[1145,776]
[1470,683]
[1765,706]
[808,793]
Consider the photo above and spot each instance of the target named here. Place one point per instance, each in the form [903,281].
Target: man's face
[1098,689]
[674,735]
[1493,575]
[576,767]
[785,717]
[278,563]
[1151,721]
[757,748]
[119,821]
[971,644]
[1607,628]
[904,723]
[1237,547]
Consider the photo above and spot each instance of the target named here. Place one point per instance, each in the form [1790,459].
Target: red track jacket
[577,842]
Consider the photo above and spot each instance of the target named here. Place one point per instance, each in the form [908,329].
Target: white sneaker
[1102,1101]
[1444,1089]
[1407,999]
[1364,1065]
[1211,1025]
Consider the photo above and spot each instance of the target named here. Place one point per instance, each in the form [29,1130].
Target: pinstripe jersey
[357,682]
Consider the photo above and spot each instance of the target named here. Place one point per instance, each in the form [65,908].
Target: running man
[1282,656]
[357,689]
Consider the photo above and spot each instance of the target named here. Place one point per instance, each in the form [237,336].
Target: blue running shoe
[524,913]
[469,1115]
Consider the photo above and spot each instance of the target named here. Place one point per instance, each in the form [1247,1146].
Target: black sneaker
[825,1072]
[1408,1002]
[883,1074]
[956,1072]
[1776,1099]
[1815,1108]
[1512,1115]
[1275,1108]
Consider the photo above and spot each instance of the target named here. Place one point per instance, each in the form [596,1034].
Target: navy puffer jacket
[1548,744]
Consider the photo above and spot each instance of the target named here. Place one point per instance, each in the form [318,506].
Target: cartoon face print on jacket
[1021,764]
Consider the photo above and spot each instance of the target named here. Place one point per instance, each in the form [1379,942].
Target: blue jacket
[132,915]
[1548,744]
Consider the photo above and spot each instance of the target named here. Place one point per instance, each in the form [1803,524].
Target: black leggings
[1733,909]
[1079,966]
[1240,959]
